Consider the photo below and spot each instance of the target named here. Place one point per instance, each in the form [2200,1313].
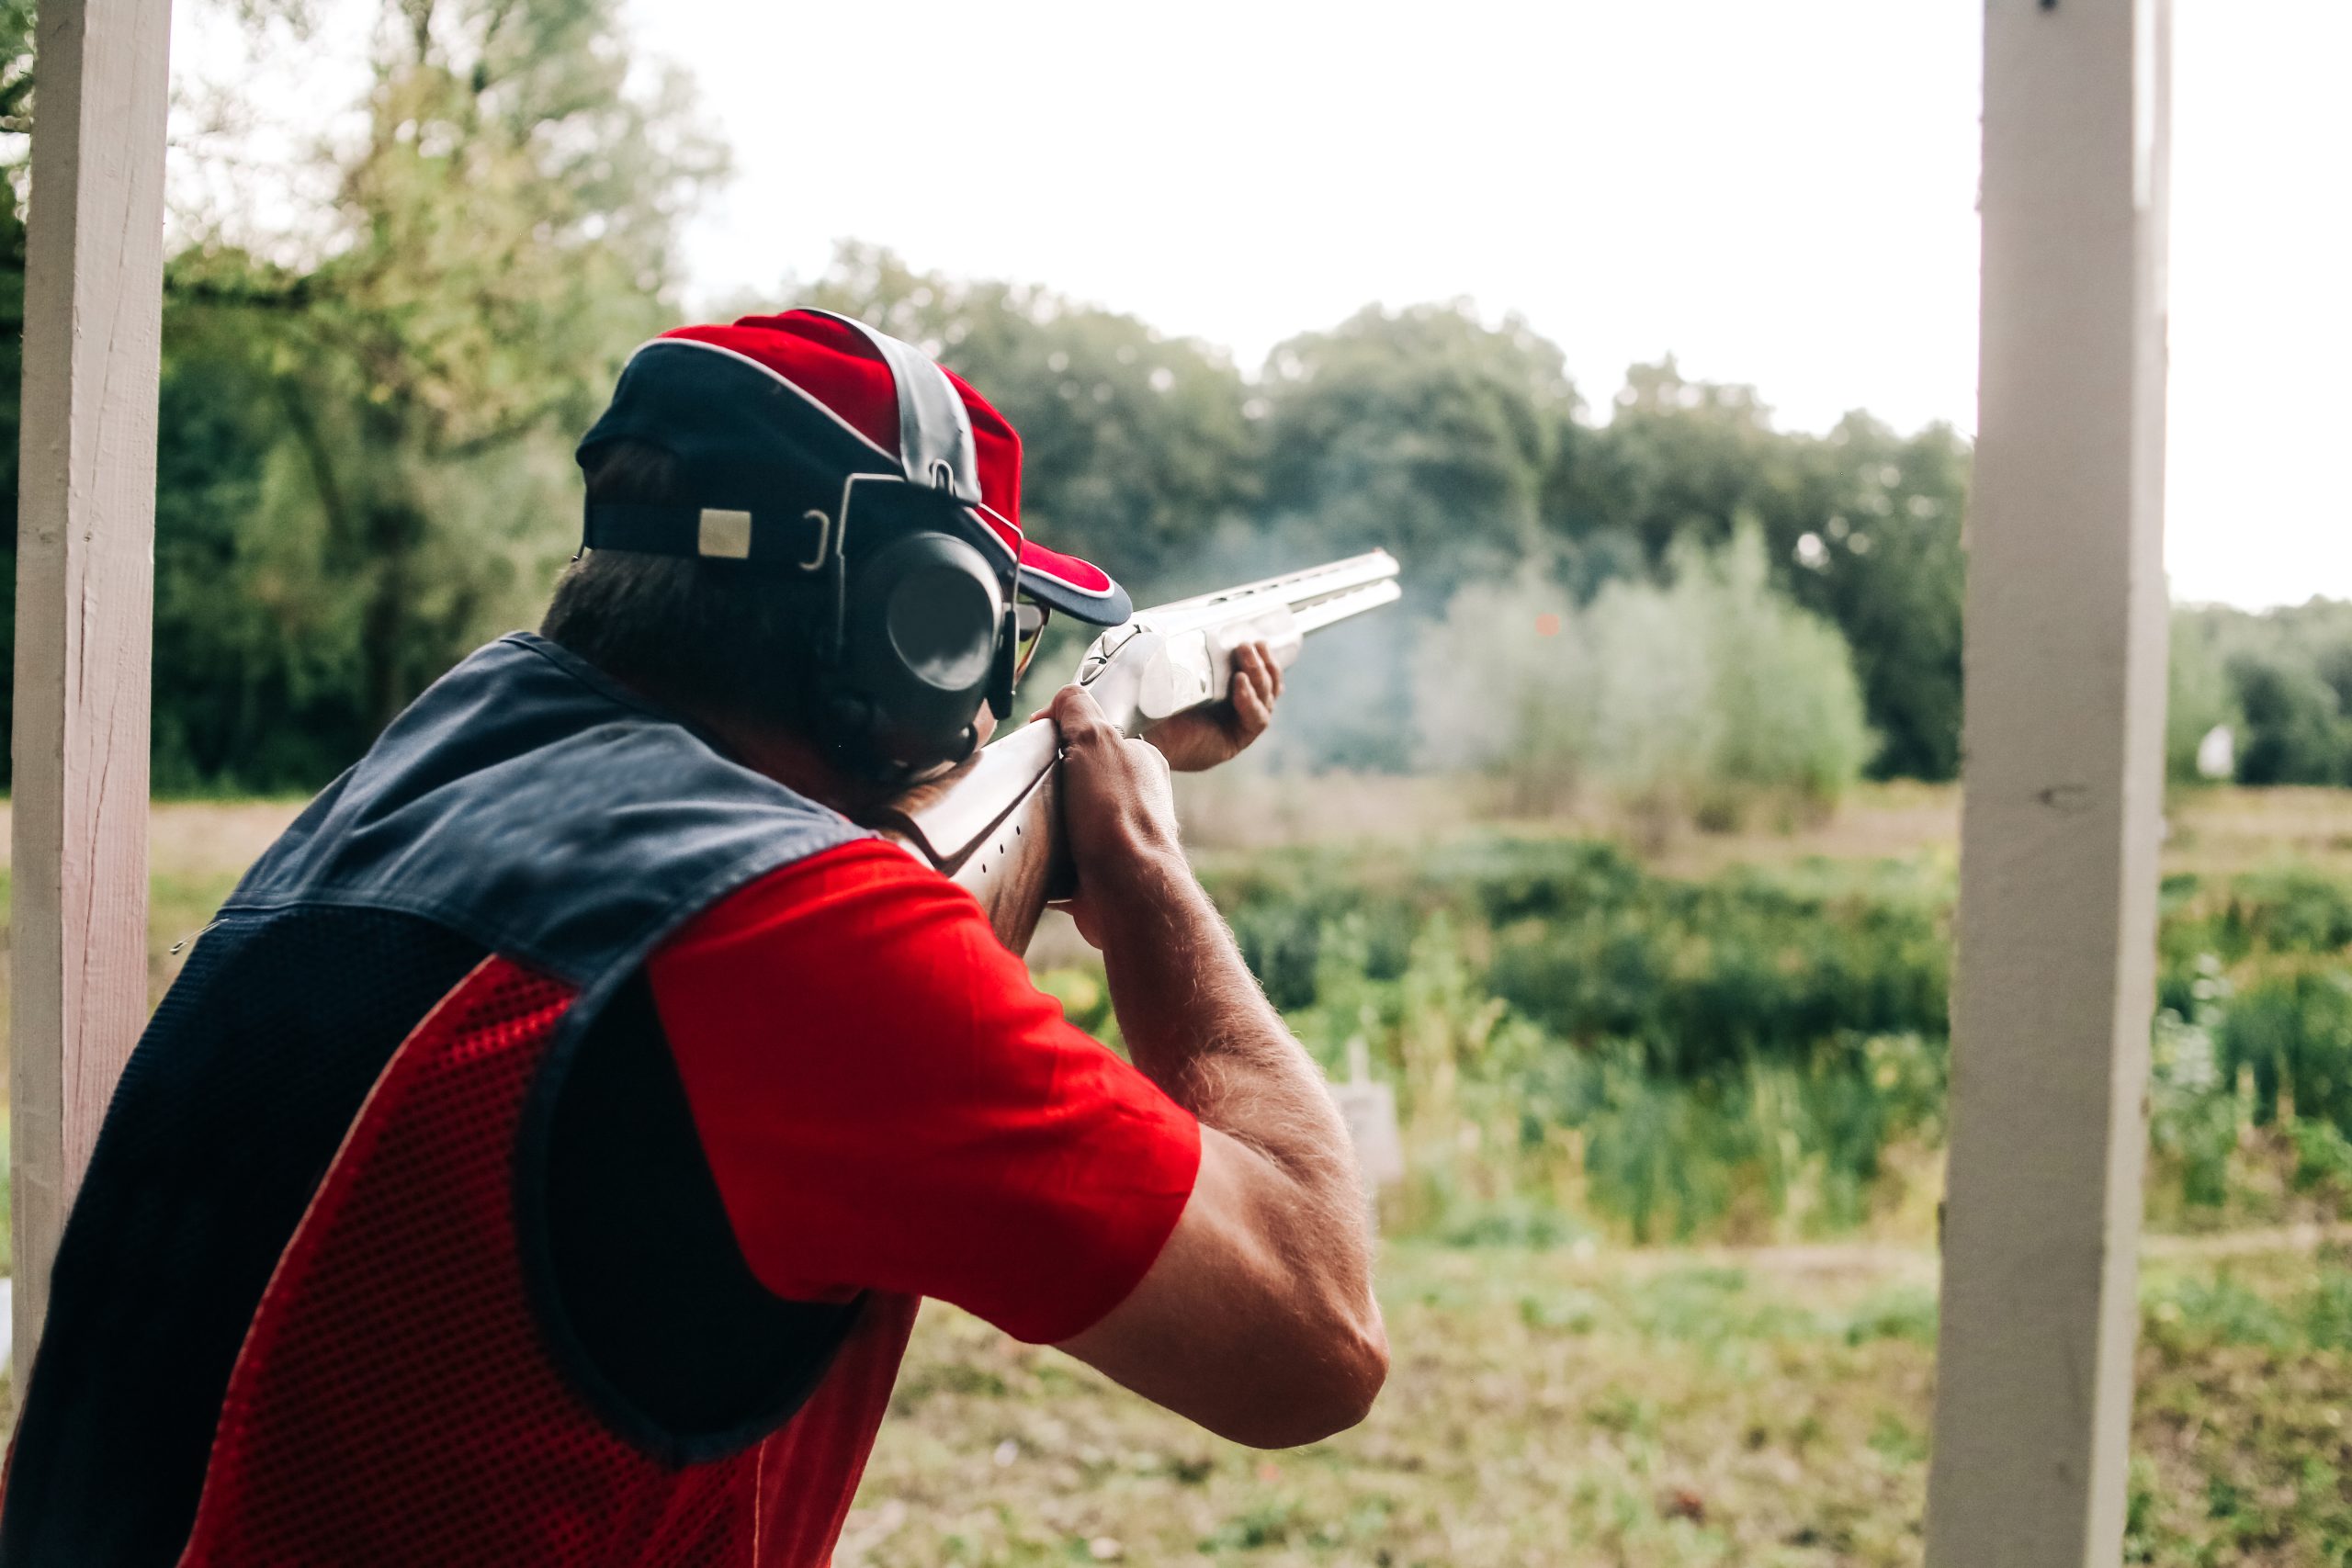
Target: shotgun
[993,825]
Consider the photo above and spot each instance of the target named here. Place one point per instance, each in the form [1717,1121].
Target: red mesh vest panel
[394,1401]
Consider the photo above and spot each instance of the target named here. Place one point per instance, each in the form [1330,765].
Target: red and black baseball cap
[806,390]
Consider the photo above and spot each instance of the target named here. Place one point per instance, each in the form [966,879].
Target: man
[542,1156]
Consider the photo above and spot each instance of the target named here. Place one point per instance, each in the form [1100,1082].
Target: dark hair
[712,636]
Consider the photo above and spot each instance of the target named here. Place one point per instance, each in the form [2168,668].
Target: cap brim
[1078,589]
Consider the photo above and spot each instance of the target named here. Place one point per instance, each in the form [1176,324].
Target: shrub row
[1741,1053]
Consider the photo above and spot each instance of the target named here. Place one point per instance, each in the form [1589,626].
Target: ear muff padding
[923,619]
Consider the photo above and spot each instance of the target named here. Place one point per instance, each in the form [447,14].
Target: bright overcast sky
[1780,194]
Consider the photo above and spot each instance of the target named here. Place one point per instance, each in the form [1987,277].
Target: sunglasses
[1029,628]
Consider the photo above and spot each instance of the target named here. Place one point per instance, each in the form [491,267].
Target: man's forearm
[1195,1020]
[1257,1319]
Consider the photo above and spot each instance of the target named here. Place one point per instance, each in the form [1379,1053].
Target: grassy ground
[1661,1408]
[1563,1407]
[2208,830]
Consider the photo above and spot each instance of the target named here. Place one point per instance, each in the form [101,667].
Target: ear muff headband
[935,445]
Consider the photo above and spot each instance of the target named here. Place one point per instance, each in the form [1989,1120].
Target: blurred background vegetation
[369,405]
[1627,623]
[1625,848]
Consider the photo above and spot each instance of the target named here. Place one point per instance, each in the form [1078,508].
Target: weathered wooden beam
[84,599]
[2063,783]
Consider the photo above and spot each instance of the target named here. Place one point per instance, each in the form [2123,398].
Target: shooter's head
[798,523]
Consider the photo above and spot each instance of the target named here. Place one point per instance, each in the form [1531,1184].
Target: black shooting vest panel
[523,807]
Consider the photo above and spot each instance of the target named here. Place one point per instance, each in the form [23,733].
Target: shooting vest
[397,1246]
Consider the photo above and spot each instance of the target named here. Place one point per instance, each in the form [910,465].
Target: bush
[1503,684]
[2295,731]
[1701,698]
[2291,1028]
[1577,1042]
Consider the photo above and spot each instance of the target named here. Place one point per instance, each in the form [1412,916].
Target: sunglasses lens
[1030,624]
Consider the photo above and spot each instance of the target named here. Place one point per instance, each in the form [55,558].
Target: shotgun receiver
[994,825]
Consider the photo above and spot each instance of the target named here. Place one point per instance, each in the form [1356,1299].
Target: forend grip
[1154,674]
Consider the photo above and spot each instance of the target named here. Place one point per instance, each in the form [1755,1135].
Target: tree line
[367,424]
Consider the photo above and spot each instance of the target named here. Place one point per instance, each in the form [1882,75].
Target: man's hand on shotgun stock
[1258,1319]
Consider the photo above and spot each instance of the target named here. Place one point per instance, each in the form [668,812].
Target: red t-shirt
[888,1105]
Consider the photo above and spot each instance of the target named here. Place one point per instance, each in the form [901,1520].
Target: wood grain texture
[2065,633]
[85,597]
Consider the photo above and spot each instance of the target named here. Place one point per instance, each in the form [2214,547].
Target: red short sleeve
[887,1102]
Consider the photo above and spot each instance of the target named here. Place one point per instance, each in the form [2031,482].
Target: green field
[1659,1407]
[1761,1073]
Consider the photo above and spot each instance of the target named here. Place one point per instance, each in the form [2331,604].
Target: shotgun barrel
[994,825]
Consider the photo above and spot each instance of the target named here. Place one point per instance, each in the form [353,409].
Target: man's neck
[797,764]
[767,748]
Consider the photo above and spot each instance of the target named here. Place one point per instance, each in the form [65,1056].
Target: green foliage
[1861,526]
[1422,430]
[2199,695]
[2288,1027]
[2295,732]
[362,467]
[1504,683]
[1677,1058]
[1704,695]
[370,451]
[2283,681]
[365,413]
[1716,690]
[2198,1312]
[367,410]
[1578,1042]
[2193,1119]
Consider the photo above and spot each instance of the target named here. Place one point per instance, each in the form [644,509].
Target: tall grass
[1579,1044]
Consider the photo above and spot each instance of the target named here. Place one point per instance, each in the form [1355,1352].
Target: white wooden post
[2063,782]
[85,600]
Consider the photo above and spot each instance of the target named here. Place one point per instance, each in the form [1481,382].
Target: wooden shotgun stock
[994,824]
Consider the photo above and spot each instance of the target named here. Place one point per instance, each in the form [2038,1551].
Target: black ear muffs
[923,626]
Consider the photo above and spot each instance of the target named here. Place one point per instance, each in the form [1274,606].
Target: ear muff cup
[924,615]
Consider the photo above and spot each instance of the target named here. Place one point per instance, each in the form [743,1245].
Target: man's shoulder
[868,892]
[527,803]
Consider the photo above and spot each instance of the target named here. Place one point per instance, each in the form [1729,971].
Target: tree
[1870,536]
[1679,459]
[379,477]
[1423,431]
[2283,677]
[2295,732]
[1861,526]
[2199,694]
